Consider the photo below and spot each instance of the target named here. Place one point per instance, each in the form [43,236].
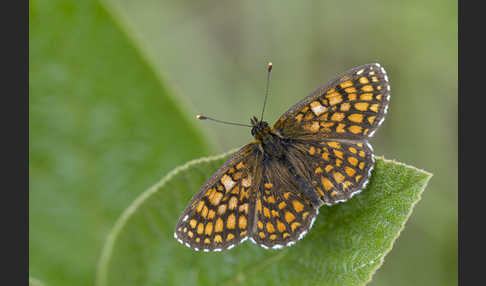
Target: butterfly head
[259,128]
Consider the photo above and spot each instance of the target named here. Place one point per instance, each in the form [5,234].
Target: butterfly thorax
[271,143]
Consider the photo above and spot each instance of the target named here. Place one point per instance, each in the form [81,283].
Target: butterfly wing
[337,170]
[351,106]
[283,214]
[220,213]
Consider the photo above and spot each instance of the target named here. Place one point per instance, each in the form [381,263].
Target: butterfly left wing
[220,213]
[283,215]
[351,106]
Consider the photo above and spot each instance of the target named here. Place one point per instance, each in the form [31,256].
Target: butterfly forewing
[351,106]
[283,214]
[219,215]
[336,169]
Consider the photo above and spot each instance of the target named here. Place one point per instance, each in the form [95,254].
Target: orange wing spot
[200,205]
[190,234]
[329,168]
[361,106]
[335,145]
[260,224]
[312,150]
[338,154]
[227,182]
[317,108]
[366,96]
[244,208]
[231,222]
[325,156]
[374,107]
[363,80]
[216,198]
[273,237]
[308,116]
[378,87]
[233,202]
[352,96]
[221,209]
[240,165]
[270,227]
[335,99]
[209,228]
[353,161]
[333,193]
[266,212]
[285,235]
[338,116]
[268,185]
[345,106]
[349,171]
[371,119]
[220,188]
[347,184]
[298,206]
[246,182]
[200,228]
[271,199]
[261,234]
[243,233]
[275,213]
[362,153]
[218,227]
[360,145]
[361,165]
[294,225]
[289,217]
[218,238]
[286,195]
[338,177]
[357,178]
[350,90]
[374,79]
[379,96]
[304,215]
[326,183]
[355,117]
[207,241]
[320,192]
[298,117]
[193,223]
[230,236]
[242,222]
[198,239]
[340,128]
[282,205]
[314,127]
[185,229]
[338,162]
[304,110]
[280,226]
[366,131]
[353,150]
[367,88]
[355,129]
[231,171]
[210,193]
[211,214]
[204,212]
[259,205]
[237,176]
[371,73]
[318,171]
[346,84]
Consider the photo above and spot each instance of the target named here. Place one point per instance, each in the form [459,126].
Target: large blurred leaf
[347,244]
[102,127]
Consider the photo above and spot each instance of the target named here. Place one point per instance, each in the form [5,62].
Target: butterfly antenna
[269,69]
[202,117]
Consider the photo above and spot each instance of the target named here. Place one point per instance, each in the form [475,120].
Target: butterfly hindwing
[351,106]
[283,214]
[336,169]
[220,213]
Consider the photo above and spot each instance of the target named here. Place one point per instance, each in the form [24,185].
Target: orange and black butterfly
[316,153]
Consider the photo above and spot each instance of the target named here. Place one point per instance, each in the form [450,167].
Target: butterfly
[317,153]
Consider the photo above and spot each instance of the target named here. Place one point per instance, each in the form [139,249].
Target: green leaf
[345,247]
[102,127]
[35,282]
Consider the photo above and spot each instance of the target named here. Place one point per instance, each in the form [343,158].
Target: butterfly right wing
[220,213]
[351,106]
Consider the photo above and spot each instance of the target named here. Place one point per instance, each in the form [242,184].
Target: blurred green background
[115,85]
